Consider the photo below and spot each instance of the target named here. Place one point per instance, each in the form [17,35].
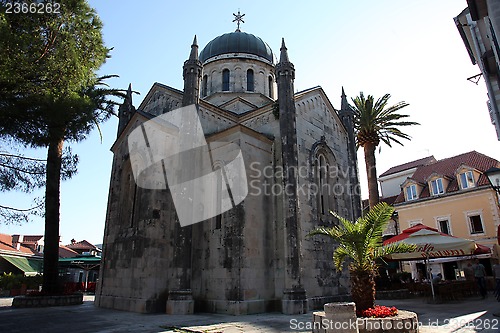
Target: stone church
[300,160]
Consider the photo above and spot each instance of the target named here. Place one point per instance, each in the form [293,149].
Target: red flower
[378,312]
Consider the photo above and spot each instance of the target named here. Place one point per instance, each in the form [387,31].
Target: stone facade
[255,257]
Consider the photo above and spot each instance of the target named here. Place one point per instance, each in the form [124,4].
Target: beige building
[454,196]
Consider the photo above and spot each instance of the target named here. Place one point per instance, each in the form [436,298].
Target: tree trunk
[52,203]
[371,173]
[362,290]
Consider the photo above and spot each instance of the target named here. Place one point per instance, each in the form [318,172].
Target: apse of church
[300,163]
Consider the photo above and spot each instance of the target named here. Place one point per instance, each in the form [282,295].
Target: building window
[204,86]
[225,80]
[322,172]
[270,79]
[437,186]
[411,192]
[322,182]
[444,226]
[476,224]
[250,80]
[466,179]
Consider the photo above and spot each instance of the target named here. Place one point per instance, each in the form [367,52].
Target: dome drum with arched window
[237,62]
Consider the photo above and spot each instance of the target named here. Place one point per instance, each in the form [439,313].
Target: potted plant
[361,242]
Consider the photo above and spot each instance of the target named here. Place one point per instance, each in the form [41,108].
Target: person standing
[479,275]
[469,272]
[496,272]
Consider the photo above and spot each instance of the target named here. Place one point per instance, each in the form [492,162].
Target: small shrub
[10,281]
[15,281]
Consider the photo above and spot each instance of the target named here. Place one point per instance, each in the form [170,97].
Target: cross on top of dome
[238,18]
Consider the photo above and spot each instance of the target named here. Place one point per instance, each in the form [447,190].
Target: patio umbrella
[430,243]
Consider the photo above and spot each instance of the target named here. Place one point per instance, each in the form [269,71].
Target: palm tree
[361,241]
[375,122]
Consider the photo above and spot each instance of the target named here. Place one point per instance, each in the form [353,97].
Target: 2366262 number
[32,8]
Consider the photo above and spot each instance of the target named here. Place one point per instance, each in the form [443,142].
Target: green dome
[236,42]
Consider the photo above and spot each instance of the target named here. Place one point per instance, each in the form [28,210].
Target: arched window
[323,185]
[270,79]
[204,86]
[322,173]
[225,80]
[250,80]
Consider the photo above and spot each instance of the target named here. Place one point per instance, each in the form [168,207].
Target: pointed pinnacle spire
[344,104]
[129,93]
[127,101]
[194,50]
[284,53]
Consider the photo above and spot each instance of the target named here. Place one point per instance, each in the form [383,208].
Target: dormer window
[437,186]
[466,180]
[411,192]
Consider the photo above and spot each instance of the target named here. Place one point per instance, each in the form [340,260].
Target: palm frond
[392,248]
[358,240]
[324,231]
[339,256]
[375,121]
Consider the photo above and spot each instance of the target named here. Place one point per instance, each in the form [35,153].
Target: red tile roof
[6,245]
[389,200]
[81,245]
[27,244]
[447,168]
[4,238]
[32,239]
[409,165]
[65,252]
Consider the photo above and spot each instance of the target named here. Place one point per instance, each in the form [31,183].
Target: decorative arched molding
[323,166]
[322,147]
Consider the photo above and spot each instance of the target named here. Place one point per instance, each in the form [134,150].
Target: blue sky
[410,49]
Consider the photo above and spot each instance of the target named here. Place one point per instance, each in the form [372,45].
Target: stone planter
[337,317]
[42,301]
[341,317]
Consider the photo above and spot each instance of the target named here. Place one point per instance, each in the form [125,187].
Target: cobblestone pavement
[471,315]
